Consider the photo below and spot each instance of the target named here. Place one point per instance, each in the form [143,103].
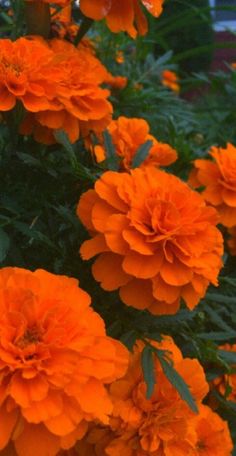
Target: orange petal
[108,270]
[36,440]
[138,294]
[142,267]
[176,273]
[93,246]
[8,420]
[114,233]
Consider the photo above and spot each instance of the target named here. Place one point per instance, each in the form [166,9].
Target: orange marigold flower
[212,434]
[170,80]
[159,426]
[227,382]
[121,15]
[61,3]
[82,104]
[155,234]
[231,242]
[26,75]
[117,82]
[129,134]
[219,179]
[55,362]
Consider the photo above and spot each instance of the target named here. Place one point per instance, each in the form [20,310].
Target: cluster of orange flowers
[127,135]
[162,425]
[156,235]
[122,15]
[58,85]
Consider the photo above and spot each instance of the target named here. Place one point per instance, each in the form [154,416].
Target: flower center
[12,67]
[31,336]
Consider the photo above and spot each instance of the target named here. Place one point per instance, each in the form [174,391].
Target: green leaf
[112,159]
[228,356]
[4,244]
[218,335]
[148,369]
[217,297]
[63,139]
[216,318]
[176,380]
[141,154]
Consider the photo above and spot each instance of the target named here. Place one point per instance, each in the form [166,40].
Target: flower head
[219,179]
[26,75]
[122,15]
[159,426]
[212,434]
[156,239]
[55,362]
[170,80]
[128,134]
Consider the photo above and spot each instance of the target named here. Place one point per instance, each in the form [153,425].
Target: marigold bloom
[219,179]
[128,134]
[170,80]
[227,381]
[82,104]
[156,239]
[213,436]
[159,426]
[55,362]
[26,75]
[121,15]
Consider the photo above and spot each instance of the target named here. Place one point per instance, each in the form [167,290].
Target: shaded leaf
[148,369]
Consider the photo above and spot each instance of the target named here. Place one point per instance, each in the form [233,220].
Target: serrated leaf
[141,154]
[177,381]
[148,369]
[4,244]
[29,159]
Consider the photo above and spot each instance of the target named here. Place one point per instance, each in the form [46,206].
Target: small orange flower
[120,57]
[128,135]
[159,426]
[121,15]
[170,80]
[156,239]
[55,362]
[219,179]
[227,381]
[117,82]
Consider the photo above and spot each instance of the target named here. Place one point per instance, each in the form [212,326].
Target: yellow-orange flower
[156,239]
[159,426]
[227,382]
[170,80]
[82,104]
[128,134]
[219,179]
[55,362]
[122,15]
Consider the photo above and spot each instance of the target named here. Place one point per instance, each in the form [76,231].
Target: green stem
[84,27]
